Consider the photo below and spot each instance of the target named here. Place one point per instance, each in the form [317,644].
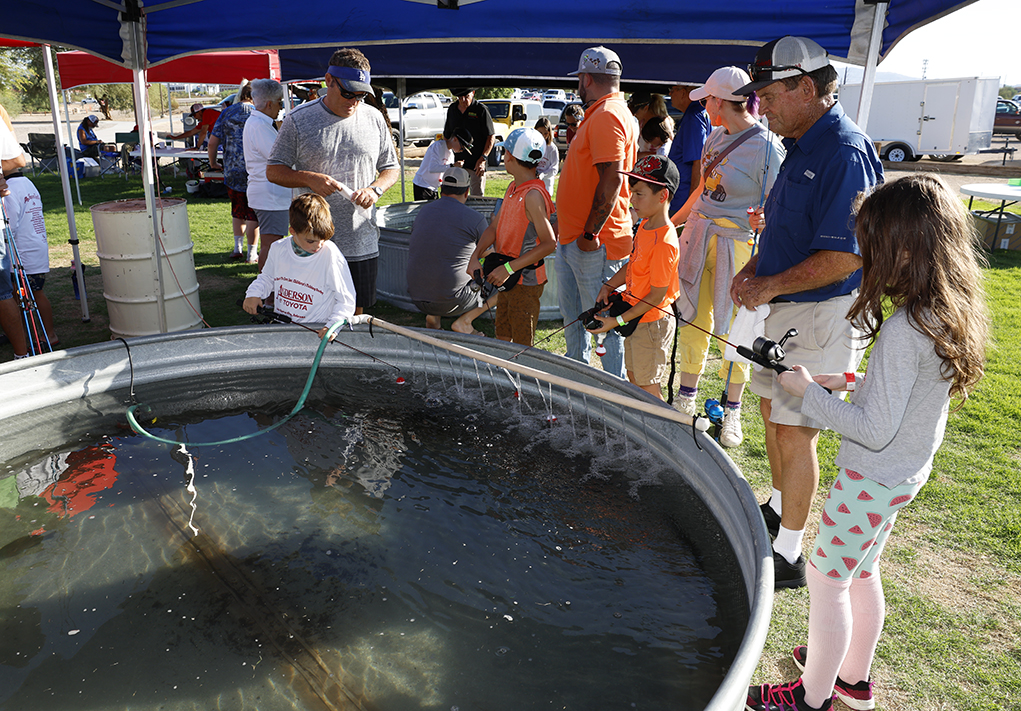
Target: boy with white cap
[522,231]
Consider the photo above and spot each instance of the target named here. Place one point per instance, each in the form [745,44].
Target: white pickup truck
[424,116]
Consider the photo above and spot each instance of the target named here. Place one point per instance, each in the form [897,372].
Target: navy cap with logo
[657,170]
[352,79]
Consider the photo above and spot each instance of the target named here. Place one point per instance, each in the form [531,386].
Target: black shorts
[363,274]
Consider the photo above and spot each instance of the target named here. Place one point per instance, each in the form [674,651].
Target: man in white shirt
[269,200]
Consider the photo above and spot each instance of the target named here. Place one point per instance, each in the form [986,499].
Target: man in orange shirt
[592,202]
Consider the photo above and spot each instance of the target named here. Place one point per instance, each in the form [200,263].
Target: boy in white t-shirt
[438,157]
[307,275]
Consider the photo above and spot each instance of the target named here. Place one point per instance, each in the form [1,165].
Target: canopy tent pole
[135,45]
[70,133]
[65,182]
[170,109]
[868,81]
[401,90]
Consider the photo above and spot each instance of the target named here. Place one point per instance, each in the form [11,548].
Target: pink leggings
[847,609]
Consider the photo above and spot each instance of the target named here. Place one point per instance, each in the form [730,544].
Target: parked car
[552,109]
[507,115]
[424,116]
[555,94]
[1008,118]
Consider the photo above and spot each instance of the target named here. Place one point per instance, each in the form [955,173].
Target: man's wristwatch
[378,190]
[589,236]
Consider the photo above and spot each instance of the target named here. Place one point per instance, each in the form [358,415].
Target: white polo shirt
[259,136]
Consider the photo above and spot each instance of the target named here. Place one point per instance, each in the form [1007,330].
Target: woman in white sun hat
[717,239]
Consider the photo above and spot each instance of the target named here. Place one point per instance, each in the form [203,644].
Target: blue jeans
[579,278]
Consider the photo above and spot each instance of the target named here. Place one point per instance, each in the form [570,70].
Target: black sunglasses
[755,71]
[359,95]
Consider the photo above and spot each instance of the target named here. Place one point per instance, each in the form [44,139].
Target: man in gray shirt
[442,242]
[334,145]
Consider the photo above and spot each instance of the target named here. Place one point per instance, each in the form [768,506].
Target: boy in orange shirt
[520,231]
[651,277]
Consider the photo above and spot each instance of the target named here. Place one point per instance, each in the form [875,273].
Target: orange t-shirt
[608,133]
[654,262]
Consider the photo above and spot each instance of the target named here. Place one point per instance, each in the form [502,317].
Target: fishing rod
[26,297]
[272,315]
[585,316]
[717,415]
[763,351]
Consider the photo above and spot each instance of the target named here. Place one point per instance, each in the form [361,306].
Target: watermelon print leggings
[856,521]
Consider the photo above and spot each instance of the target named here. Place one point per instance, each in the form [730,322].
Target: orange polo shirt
[654,263]
[608,133]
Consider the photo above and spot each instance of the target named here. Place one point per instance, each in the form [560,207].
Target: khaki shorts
[517,313]
[826,343]
[647,351]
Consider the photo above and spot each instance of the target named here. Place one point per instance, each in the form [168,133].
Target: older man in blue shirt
[808,268]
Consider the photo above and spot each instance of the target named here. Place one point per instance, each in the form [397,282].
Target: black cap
[657,170]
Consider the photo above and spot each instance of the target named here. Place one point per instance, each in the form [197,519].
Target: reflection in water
[391,550]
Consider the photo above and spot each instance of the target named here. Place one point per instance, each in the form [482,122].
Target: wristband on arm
[621,321]
[850,378]
[507,266]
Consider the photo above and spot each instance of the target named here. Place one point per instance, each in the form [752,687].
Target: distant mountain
[851,74]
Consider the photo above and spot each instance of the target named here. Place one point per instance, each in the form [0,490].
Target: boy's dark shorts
[363,274]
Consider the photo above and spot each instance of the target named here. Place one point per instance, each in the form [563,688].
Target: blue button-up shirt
[230,130]
[809,207]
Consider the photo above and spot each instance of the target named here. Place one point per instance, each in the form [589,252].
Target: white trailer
[942,118]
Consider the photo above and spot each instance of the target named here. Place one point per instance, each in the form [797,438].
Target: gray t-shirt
[442,241]
[896,417]
[736,183]
[353,150]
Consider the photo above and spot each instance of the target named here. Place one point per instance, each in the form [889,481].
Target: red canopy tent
[79,68]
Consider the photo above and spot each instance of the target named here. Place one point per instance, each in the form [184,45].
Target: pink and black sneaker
[781,697]
[856,696]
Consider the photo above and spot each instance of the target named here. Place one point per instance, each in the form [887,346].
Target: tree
[490,92]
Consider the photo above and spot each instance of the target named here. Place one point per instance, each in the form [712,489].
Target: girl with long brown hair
[919,261]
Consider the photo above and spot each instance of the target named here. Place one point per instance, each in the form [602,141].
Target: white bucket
[192,186]
[127,259]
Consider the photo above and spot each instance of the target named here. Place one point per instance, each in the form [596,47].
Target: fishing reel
[588,318]
[767,353]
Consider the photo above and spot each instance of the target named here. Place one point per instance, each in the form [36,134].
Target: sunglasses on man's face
[756,71]
[352,95]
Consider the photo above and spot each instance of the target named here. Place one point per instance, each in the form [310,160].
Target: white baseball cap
[525,144]
[722,84]
[597,60]
[784,58]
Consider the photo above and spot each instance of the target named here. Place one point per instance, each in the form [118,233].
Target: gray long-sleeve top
[895,420]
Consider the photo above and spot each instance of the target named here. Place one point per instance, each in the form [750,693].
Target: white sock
[251,251]
[788,543]
[238,241]
[776,501]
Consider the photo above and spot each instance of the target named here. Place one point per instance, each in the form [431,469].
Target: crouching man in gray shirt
[442,242]
[335,144]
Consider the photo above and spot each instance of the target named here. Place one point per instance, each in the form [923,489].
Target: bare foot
[462,326]
[433,322]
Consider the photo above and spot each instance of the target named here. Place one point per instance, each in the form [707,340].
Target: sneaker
[235,256]
[253,258]
[788,575]
[781,697]
[772,519]
[856,696]
[687,405]
[731,434]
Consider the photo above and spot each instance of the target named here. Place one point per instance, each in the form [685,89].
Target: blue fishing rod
[35,330]
[714,409]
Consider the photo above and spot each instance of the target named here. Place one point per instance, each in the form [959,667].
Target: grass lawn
[953,567]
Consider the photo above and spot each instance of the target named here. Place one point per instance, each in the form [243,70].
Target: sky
[983,40]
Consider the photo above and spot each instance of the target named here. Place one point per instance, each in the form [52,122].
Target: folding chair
[42,147]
